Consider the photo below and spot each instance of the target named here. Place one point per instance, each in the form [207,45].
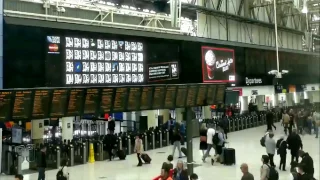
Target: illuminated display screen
[75,105]
[134,99]
[41,103]
[171,93]
[92,101]
[146,98]
[5,104]
[102,61]
[181,96]
[59,102]
[106,100]
[158,97]
[22,104]
[192,95]
[202,95]
[211,94]
[220,93]
[120,99]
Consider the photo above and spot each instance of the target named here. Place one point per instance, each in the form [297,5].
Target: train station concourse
[245,142]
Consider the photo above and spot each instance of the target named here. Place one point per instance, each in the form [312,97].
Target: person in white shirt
[270,147]
[210,133]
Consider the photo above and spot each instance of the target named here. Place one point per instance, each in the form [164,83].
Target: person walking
[282,151]
[269,118]
[203,138]
[291,124]
[245,171]
[138,148]
[270,147]
[219,145]
[316,122]
[210,133]
[294,144]
[42,163]
[176,137]
[286,122]
[264,170]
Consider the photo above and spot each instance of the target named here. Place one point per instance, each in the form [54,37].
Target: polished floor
[245,142]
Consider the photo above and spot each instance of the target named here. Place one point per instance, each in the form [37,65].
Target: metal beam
[140,33]
[219,4]
[240,7]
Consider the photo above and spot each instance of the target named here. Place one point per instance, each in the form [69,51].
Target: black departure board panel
[5,104]
[146,98]
[41,103]
[170,97]
[91,103]
[181,96]
[192,95]
[22,104]
[120,99]
[158,97]
[134,99]
[106,100]
[221,88]
[59,102]
[211,94]
[202,95]
[76,99]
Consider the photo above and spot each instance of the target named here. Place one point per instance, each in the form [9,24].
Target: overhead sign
[163,71]
[253,81]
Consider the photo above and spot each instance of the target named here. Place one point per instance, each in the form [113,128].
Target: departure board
[92,100]
[170,99]
[59,103]
[192,95]
[41,103]
[5,104]
[202,95]
[22,104]
[158,97]
[211,94]
[76,101]
[146,98]
[219,98]
[181,96]
[134,99]
[106,100]
[120,99]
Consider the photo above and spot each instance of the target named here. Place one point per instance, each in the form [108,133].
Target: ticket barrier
[151,140]
[165,137]
[77,156]
[13,163]
[158,138]
[53,156]
[231,124]
[126,143]
[99,153]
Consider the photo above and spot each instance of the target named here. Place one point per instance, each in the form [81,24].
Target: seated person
[180,172]
[164,175]
[193,176]
[168,163]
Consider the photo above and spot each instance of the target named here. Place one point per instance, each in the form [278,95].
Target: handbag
[203,139]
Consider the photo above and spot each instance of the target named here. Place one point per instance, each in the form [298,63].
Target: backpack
[263,141]
[273,173]
[60,175]
[215,139]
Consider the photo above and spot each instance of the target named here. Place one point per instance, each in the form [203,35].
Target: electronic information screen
[5,104]
[220,93]
[134,99]
[120,99]
[92,100]
[170,100]
[22,104]
[41,103]
[192,95]
[202,95]
[211,94]
[75,105]
[59,103]
[181,96]
[158,97]
[106,100]
[146,98]
[103,61]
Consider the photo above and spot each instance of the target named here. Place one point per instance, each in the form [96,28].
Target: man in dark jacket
[302,174]
[111,125]
[282,151]
[307,163]
[269,118]
[294,144]
[42,163]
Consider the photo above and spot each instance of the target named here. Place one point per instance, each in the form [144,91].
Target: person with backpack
[218,141]
[267,172]
[63,173]
[270,147]
[282,151]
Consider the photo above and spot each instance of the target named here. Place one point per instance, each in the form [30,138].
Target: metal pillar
[189,115]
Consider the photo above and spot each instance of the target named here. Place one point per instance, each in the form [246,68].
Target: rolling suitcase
[229,156]
[121,154]
[146,158]
[184,151]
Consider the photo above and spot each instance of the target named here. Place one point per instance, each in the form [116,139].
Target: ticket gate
[53,157]
[150,140]
[165,137]
[12,164]
[99,154]
[78,155]
[158,138]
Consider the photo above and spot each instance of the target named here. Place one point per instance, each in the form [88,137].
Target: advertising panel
[218,65]
[163,71]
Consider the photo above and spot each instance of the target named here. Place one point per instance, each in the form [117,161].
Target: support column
[189,124]
[244,103]
[67,128]
[37,130]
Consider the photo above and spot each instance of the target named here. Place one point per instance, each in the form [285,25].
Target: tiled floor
[246,143]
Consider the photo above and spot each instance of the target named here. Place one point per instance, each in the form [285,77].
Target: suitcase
[146,158]
[184,151]
[121,154]
[229,156]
